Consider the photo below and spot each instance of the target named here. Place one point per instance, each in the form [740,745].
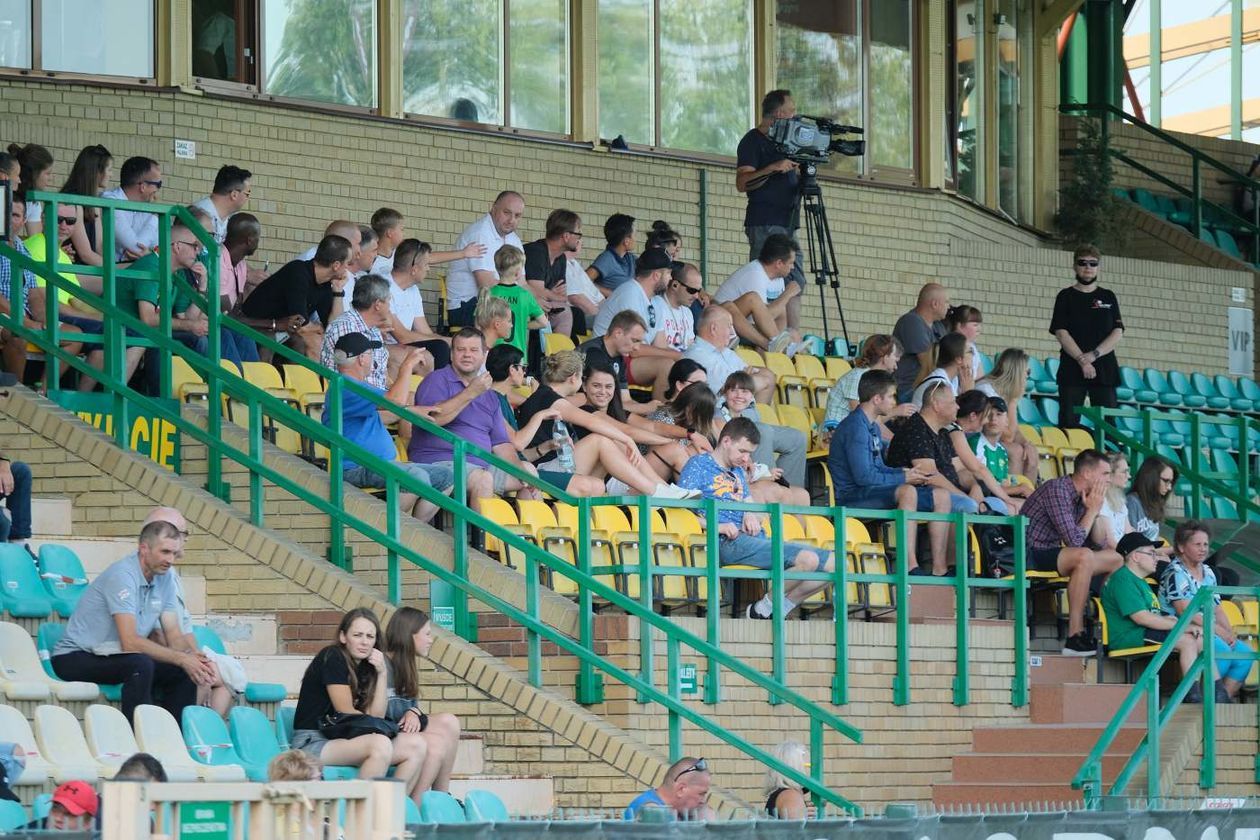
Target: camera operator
[772,183]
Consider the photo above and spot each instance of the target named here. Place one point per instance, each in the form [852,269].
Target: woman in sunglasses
[1088,325]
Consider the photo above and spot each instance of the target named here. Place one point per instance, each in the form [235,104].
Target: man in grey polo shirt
[107,640]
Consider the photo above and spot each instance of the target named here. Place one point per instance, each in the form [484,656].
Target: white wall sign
[1241,338]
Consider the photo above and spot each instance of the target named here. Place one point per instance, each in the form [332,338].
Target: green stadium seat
[208,742]
[45,640]
[63,576]
[1206,235]
[412,816]
[1190,398]
[1050,410]
[1157,382]
[986,363]
[254,739]
[254,692]
[1184,212]
[1225,240]
[1147,201]
[1028,412]
[1167,434]
[440,807]
[1229,390]
[1223,508]
[12,816]
[1166,205]
[1215,431]
[42,806]
[284,735]
[22,593]
[1206,388]
[1134,390]
[1042,381]
[1250,390]
[1121,193]
[484,806]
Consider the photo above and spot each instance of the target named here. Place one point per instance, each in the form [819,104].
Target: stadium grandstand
[579,415]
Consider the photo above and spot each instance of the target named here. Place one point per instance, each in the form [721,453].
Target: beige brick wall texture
[311,167]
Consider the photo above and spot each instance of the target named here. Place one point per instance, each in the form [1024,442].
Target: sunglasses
[192,244]
[689,290]
[66,220]
[1087,263]
[157,184]
[701,766]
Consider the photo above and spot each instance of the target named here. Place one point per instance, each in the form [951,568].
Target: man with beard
[1088,325]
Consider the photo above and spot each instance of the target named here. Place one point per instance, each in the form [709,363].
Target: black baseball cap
[352,345]
[653,259]
[1132,541]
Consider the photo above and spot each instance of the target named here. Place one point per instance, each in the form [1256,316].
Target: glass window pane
[323,50]
[88,36]
[820,61]
[15,33]
[969,97]
[222,41]
[891,85]
[625,70]
[452,59]
[1008,109]
[539,49]
[706,74]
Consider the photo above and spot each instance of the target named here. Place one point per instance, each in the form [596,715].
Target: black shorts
[1044,559]
[1154,637]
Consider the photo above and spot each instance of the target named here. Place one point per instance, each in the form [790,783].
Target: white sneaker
[617,487]
[792,349]
[673,491]
[780,342]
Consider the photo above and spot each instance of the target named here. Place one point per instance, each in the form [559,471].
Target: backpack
[997,550]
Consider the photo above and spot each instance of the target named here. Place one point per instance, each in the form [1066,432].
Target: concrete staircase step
[52,515]
[1005,769]
[524,796]
[1051,738]
[1055,669]
[1079,703]
[985,793]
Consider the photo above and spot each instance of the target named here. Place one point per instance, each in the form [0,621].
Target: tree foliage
[1087,207]
[327,52]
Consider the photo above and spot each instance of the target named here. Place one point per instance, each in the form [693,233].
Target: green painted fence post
[901,681]
[840,678]
[589,688]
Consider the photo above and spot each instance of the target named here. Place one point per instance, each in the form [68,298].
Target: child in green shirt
[527,314]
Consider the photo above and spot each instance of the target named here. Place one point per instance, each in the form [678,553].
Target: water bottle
[564,451]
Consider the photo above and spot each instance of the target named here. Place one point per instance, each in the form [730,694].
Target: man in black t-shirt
[772,183]
[1087,323]
[625,333]
[546,261]
[286,301]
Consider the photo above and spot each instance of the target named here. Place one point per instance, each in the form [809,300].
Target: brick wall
[310,168]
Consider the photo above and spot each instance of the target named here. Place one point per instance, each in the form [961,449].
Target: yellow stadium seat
[1079,439]
[795,417]
[820,530]
[836,367]
[768,414]
[556,342]
[306,385]
[1030,434]
[810,368]
[500,512]
[750,357]
[564,538]
[186,382]
[1126,655]
[792,388]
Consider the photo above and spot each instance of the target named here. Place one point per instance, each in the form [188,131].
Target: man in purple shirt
[1061,513]
[464,405]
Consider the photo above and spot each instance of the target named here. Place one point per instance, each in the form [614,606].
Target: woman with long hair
[1007,380]
[348,677]
[1112,522]
[966,321]
[879,352]
[36,163]
[973,412]
[953,367]
[89,175]
[785,798]
[409,635]
[1147,502]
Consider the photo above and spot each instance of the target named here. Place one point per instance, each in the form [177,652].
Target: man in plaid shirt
[1061,515]
[14,354]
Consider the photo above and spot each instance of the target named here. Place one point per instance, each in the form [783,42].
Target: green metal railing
[260,405]
[1218,215]
[1089,777]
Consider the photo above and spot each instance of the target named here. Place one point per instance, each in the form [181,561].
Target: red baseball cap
[77,798]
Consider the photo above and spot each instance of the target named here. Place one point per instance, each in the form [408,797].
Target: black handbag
[339,725]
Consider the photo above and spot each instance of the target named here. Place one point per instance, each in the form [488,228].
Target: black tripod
[822,253]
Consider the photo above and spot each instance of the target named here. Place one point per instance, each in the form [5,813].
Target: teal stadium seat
[1249,389]
[1133,389]
[440,807]
[63,576]
[412,811]
[1166,205]
[22,593]
[42,806]
[1043,382]
[1121,193]
[1029,413]
[1206,236]
[1144,199]
[208,741]
[1229,390]
[254,692]
[1157,382]
[284,734]
[1206,388]
[1166,433]
[46,638]
[1225,241]
[1183,213]
[254,739]
[484,806]
[1050,410]
[1190,398]
[12,816]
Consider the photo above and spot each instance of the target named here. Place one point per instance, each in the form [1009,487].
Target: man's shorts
[1153,636]
[747,550]
[1044,559]
[885,498]
[437,476]
[501,478]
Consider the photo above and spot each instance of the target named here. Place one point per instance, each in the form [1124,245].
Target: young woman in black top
[409,635]
[1088,325]
[785,798]
[348,677]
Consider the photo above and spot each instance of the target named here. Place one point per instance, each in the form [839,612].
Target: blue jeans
[436,476]
[152,357]
[747,550]
[966,504]
[236,348]
[757,236]
[17,526]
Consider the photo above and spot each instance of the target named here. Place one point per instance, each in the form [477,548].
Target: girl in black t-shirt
[408,635]
[348,677]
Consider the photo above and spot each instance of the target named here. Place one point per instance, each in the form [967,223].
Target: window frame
[259,90]
[253,89]
[36,70]
[505,127]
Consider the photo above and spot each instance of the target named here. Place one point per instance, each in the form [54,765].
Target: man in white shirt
[757,299]
[390,228]
[470,275]
[676,322]
[229,195]
[649,363]
[712,349]
[409,327]
[136,232]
